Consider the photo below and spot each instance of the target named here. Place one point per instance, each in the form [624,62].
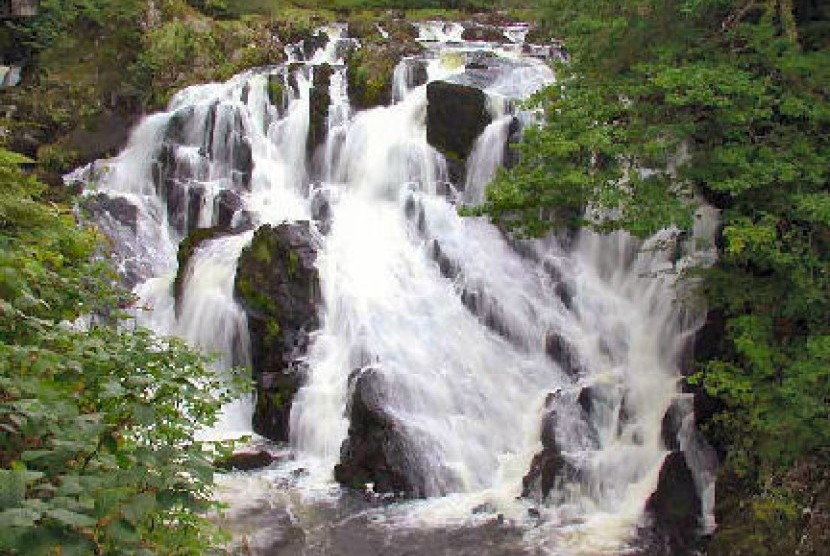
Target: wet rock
[247,460]
[446,265]
[511,150]
[364,29]
[400,30]
[278,285]
[195,203]
[175,197]
[484,33]
[225,206]
[321,210]
[120,209]
[242,161]
[418,73]
[548,466]
[375,451]
[563,353]
[319,106]
[456,116]
[708,342]
[674,506]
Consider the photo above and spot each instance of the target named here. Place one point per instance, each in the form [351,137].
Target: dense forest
[659,105]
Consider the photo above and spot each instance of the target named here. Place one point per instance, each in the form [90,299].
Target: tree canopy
[663,103]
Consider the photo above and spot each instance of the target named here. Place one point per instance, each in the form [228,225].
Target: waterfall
[479,345]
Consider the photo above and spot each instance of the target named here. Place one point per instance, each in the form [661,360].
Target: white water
[468,381]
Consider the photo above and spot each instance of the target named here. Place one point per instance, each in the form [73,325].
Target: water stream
[458,317]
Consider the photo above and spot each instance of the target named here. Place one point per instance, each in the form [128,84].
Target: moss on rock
[370,69]
[278,285]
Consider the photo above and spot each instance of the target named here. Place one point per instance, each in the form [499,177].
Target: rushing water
[461,344]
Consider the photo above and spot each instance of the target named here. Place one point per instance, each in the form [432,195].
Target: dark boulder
[563,353]
[674,506]
[597,397]
[195,203]
[548,466]
[511,150]
[225,206]
[278,285]
[456,116]
[319,106]
[246,460]
[417,74]
[376,451]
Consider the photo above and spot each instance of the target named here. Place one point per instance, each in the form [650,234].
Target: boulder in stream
[278,285]
[674,507]
[375,451]
[548,466]
[319,103]
[456,116]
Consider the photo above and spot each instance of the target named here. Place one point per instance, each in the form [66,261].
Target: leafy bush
[98,452]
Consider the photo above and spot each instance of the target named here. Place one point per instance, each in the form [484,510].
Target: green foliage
[730,100]
[98,452]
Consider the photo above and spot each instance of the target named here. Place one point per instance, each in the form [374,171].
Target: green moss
[293,263]
[369,73]
[276,91]
[273,328]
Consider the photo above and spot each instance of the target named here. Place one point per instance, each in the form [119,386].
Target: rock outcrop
[375,451]
[278,285]
[319,106]
[456,116]
[562,352]
[222,140]
[246,460]
[369,71]
[674,507]
[549,466]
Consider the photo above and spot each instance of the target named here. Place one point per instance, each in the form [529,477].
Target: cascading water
[470,338]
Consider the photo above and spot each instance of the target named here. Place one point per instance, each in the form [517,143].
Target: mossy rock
[278,285]
[369,72]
